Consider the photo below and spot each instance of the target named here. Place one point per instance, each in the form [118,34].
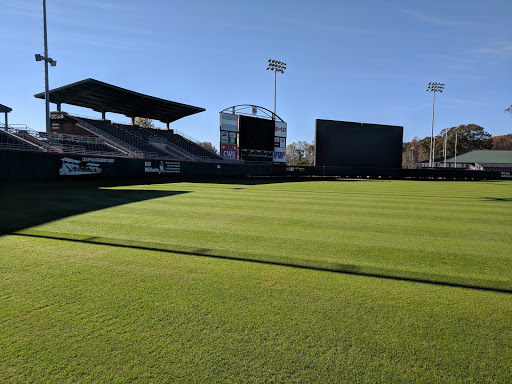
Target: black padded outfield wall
[350,144]
[38,165]
[19,165]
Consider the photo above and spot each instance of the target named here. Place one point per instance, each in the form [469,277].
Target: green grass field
[256,280]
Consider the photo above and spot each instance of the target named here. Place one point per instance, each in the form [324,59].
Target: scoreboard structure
[351,144]
[252,138]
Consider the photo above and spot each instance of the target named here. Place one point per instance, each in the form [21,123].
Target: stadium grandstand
[81,135]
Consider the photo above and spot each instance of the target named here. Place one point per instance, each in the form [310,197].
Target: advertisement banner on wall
[280,155]
[281,128]
[277,142]
[161,167]
[229,151]
[228,122]
[282,142]
[224,136]
[232,138]
[85,165]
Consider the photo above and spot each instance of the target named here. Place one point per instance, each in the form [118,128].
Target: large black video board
[350,144]
[256,133]
[256,138]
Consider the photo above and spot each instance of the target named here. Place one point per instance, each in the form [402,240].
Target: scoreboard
[252,139]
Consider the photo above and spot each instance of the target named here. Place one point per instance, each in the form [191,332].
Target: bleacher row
[139,137]
[124,136]
[12,142]
[85,147]
[118,140]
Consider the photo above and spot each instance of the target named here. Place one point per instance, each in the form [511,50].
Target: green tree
[469,137]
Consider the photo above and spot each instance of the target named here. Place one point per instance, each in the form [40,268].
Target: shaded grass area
[132,297]
[27,204]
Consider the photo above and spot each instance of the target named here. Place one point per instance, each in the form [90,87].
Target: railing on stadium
[125,126]
[52,143]
[133,150]
[189,149]
[26,135]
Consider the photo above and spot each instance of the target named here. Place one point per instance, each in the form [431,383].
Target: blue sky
[365,61]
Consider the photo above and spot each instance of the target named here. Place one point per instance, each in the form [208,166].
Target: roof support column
[166,123]
[59,107]
[133,120]
[103,115]
[7,123]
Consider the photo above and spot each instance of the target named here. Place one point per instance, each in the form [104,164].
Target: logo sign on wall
[161,167]
[85,166]
[281,128]
[232,137]
[229,151]
[282,142]
[280,155]
[224,136]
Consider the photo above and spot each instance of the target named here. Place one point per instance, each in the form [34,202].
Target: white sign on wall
[280,129]
[228,122]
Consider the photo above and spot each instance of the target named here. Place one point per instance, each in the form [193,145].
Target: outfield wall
[19,165]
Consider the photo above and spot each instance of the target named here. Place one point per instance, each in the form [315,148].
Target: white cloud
[498,49]
[433,19]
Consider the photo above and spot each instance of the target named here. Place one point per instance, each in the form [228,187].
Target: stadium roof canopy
[5,109]
[103,97]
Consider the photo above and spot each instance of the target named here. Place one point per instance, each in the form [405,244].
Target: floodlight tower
[276,66]
[47,60]
[434,87]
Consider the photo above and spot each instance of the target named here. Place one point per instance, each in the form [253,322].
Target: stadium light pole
[276,66]
[455,147]
[47,60]
[434,87]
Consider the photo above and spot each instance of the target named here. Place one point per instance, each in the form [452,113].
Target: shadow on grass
[260,180]
[507,200]
[27,204]
[283,261]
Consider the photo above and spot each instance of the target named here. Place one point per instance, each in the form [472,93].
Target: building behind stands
[489,160]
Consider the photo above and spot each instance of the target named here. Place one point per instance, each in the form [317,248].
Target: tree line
[467,137]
